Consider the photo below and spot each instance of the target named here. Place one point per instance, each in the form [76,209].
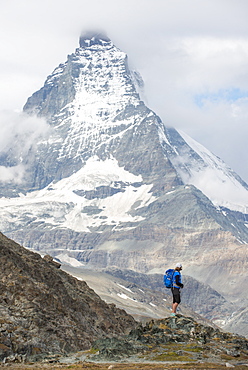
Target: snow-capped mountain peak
[87,97]
[94,38]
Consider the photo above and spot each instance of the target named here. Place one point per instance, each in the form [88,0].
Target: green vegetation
[171,356]
[193,348]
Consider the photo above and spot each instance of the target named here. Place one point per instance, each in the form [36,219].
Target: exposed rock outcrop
[177,338]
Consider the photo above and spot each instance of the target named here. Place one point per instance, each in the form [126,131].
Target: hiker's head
[179,266]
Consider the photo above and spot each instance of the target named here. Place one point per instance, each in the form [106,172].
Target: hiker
[177,284]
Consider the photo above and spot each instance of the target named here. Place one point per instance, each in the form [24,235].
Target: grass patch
[171,356]
[193,348]
[163,326]
[126,366]
[92,351]
[226,357]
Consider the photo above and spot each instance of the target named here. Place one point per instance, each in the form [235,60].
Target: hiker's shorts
[176,295]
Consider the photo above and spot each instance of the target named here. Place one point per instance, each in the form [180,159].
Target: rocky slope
[181,340]
[45,310]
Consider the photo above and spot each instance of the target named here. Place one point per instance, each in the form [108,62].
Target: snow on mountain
[197,166]
[67,260]
[100,86]
[111,185]
[212,176]
[63,204]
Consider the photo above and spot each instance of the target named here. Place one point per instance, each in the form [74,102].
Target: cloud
[19,133]
[222,191]
[12,174]
[202,89]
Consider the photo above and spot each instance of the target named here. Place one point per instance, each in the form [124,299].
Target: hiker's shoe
[173,314]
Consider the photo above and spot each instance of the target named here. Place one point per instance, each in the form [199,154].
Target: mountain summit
[91,38]
[113,186]
[84,100]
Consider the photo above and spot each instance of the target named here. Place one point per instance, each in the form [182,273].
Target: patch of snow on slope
[122,286]
[124,296]
[58,205]
[215,179]
[64,258]
[152,304]
[96,173]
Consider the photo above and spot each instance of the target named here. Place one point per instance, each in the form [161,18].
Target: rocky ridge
[178,339]
[45,310]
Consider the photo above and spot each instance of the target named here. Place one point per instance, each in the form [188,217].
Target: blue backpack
[168,278]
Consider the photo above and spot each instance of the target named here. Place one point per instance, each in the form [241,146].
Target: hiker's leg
[173,298]
[174,307]
[176,299]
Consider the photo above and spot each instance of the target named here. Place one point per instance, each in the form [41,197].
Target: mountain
[45,310]
[110,185]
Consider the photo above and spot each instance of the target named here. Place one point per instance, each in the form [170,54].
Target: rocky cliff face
[45,310]
[87,100]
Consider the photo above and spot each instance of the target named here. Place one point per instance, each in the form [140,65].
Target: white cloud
[12,174]
[19,133]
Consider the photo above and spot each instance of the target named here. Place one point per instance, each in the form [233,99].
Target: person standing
[177,285]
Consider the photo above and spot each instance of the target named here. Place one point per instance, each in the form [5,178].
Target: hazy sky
[192,55]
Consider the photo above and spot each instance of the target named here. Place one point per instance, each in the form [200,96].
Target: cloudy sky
[192,55]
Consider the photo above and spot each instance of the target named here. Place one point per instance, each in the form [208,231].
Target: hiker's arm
[177,281]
